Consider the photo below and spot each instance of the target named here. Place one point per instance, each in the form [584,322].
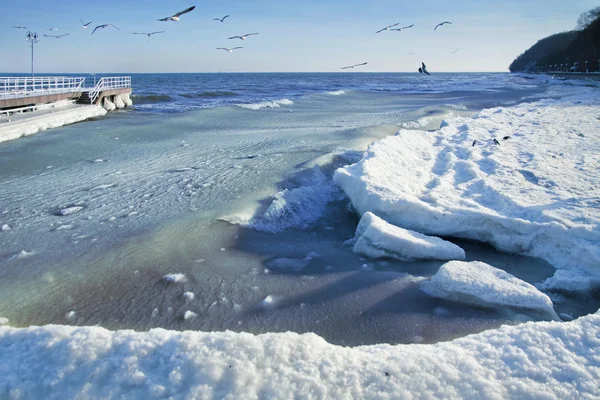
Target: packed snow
[523,178]
[532,360]
[480,284]
[376,238]
[47,120]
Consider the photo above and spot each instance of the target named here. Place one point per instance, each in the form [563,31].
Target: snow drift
[543,359]
[524,179]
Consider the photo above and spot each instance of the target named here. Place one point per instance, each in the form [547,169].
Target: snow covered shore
[532,360]
[40,121]
[523,178]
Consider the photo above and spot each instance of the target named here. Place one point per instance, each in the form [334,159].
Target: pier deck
[18,92]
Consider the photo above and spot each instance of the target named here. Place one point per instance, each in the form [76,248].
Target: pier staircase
[84,98]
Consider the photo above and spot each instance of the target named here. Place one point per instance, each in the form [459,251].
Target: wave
[266,104]
[459,107]
[336,93]
[416,124]
[151,98]
[292,208]
[203,95]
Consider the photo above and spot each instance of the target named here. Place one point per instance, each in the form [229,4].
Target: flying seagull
[387,28]
[19,27]
[52,29]
[85,25]
[104,26]
[147,34]
[423,69]
[57,37]
[179,14]
[243,37]
[229,50]
[353,66]
[221,19]
[443,23]
[403,28]
[454,52]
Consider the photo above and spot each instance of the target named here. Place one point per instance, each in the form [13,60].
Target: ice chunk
[175,278]
[378,239]
[478,283]
[189,296]
[69,210]
[5,228]
[189,315]
[3,321]
[294,264]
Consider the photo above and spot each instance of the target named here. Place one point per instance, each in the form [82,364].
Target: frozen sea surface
[241,203]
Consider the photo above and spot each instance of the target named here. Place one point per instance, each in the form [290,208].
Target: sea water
[224,181]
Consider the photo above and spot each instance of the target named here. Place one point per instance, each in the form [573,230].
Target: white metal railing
[109,83]
[15,87]
[6,114]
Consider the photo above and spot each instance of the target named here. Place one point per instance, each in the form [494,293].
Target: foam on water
[267,104]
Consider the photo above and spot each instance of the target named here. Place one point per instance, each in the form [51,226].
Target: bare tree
[586,18]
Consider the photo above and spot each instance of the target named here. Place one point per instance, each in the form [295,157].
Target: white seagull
[19,27]
[147,34]
[423,69]
[52,29]
[355,65]
[229,50]
[243,37]
[221,19]
[57,37]
[104,26]
[454,52]
[387,28]
[403,28]
[85,25]
[179,14]
[443,23]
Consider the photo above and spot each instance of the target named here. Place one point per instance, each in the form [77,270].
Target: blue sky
[303,36]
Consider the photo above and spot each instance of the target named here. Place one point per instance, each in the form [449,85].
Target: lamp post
[33,38]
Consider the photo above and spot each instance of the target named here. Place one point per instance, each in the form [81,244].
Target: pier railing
[109,83]
[17,87]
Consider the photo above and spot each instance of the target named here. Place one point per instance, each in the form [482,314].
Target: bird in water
[474,143]
[496,142]
[423,69]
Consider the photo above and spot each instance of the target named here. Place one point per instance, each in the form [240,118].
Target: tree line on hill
[574,51]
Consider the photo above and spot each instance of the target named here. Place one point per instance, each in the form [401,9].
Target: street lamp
[33,38]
